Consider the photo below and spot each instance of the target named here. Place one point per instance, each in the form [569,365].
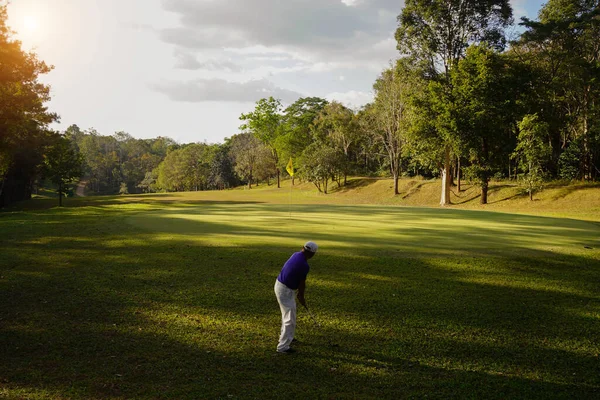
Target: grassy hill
[578,200]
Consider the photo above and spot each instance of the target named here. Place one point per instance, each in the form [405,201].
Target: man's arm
[301,288]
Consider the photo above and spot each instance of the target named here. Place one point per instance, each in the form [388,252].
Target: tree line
[461,102]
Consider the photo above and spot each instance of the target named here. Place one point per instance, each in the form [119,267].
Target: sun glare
[30,23]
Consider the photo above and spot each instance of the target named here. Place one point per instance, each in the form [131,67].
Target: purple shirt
[294,271]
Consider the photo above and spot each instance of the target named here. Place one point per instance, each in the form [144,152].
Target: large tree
[392,112]
[564,45]
[485,89]
[24,118]
[437,34]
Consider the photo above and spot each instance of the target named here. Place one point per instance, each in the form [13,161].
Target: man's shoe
[288,351]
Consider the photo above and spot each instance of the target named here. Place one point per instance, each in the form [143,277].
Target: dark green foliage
[62,166]
[24,118]
[570,161]
[222,175]
[438,32]
[483,102]
[321,163]
[532,152]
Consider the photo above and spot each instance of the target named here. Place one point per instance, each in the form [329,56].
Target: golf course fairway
[146,298]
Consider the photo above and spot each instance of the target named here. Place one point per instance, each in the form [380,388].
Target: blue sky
[188,68]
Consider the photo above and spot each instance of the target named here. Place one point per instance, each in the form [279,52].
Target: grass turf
[171,297]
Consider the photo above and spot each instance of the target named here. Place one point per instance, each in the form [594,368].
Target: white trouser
[287,303]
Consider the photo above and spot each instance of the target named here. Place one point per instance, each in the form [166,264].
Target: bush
[568,162]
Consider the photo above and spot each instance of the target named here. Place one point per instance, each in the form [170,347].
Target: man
[292,278]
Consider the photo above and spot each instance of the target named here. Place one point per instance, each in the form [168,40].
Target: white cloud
[314,31]
[353,99]
[205,90]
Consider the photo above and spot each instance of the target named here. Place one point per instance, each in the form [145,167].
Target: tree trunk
[278,179]
[458,173]
[396,192]
[445,198]
[484,192]
[1,189]
[60,195]
[293,181]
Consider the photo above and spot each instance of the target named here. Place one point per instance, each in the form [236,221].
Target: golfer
[292,278]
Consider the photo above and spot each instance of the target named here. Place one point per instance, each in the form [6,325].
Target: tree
[245,150]
[266,124]
[437,33]
[24,119]
[265,167]
[62,165]
[297,127]
[148,184]
[485,88]
[392,112]
[532,152]
[222,175]
[320,163]
[564,46]
[336,124]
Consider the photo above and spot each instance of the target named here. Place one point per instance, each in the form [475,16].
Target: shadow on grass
[158,199]
[566,190]
[95,307]
[354,183]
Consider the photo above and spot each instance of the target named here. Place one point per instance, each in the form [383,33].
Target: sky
[187,69]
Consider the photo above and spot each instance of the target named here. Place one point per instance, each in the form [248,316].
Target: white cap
[311,246]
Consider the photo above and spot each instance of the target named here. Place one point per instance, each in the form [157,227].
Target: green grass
[171,296]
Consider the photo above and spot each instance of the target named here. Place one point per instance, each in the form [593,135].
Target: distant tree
[319,164]
[222,175]
[171,172]
[337,125]
[62,165]
[265,122]
[245,150]
[297,125]
[532,152]
[148,184]
[265,167]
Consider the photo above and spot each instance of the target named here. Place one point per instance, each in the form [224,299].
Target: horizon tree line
[462,102]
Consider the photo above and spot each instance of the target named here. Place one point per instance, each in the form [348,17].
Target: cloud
[353,99]
[312,30]
[190,62]
[205,90]
[241,46]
